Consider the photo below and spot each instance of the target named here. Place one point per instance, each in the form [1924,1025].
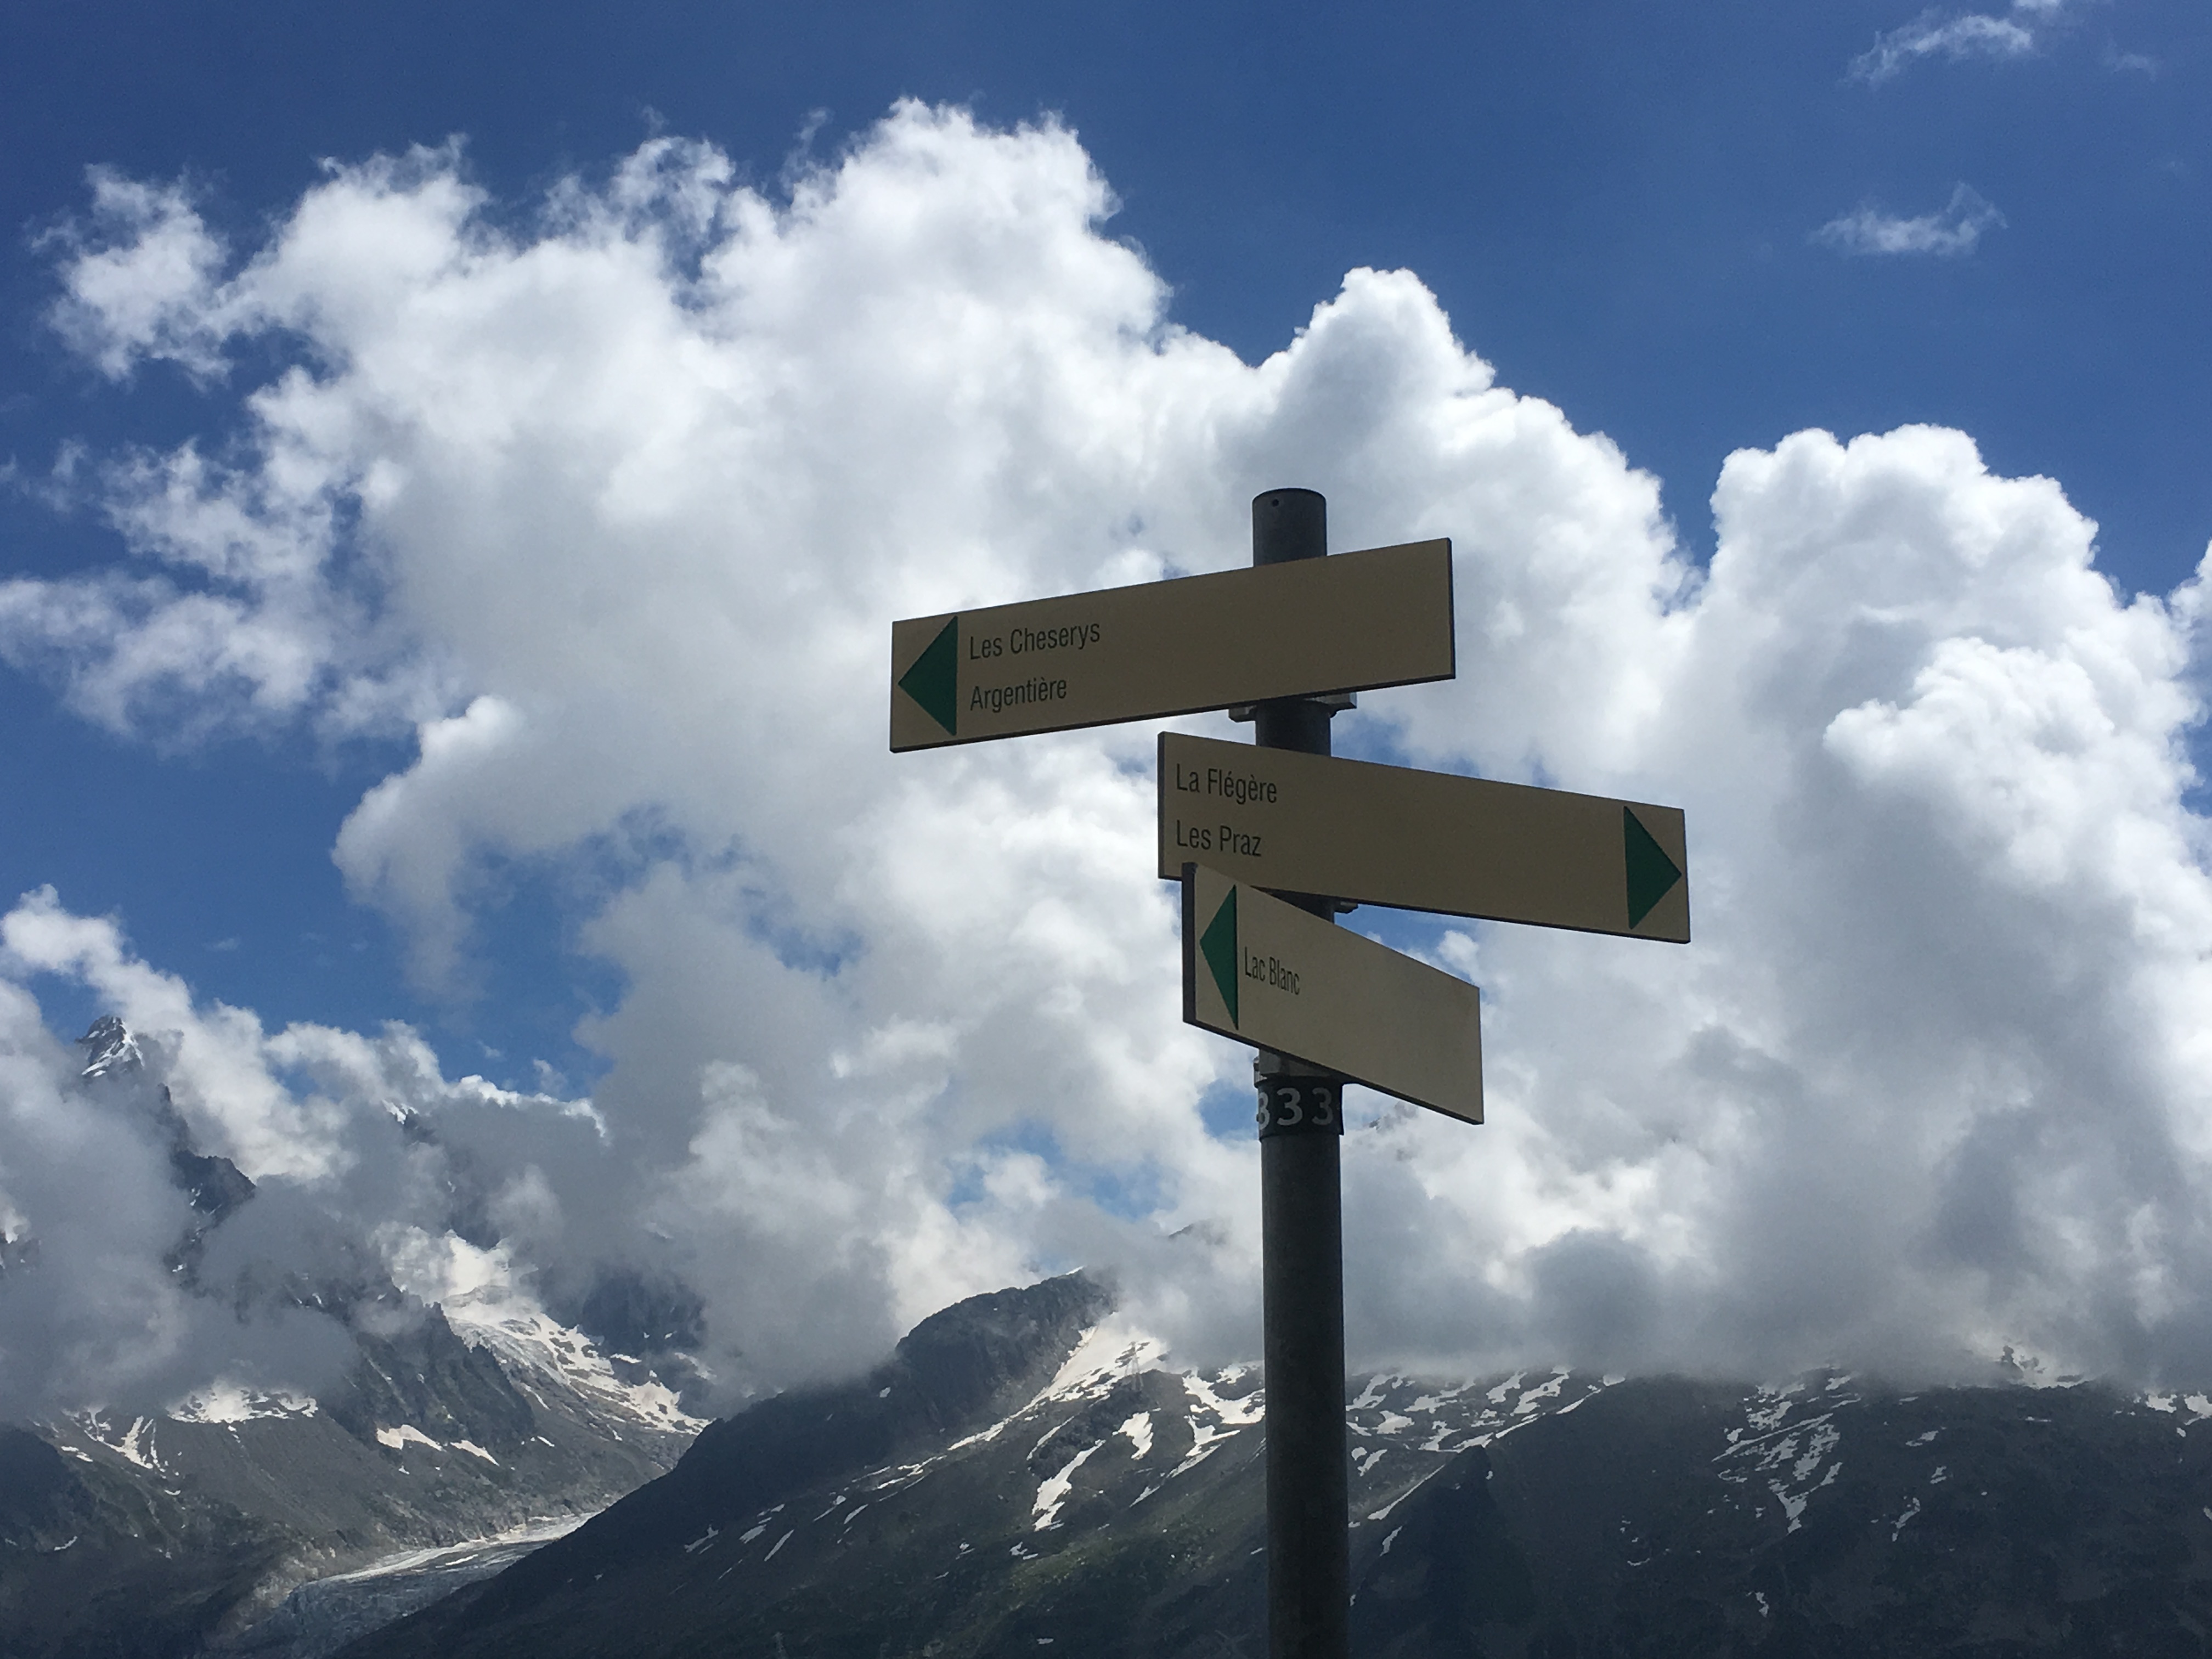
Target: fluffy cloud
[139,268]
[610,512]
[91,1310]
[1956,36]
[1956,229]
[114,1292]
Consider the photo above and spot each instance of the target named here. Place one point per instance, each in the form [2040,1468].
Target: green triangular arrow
[933,681]
[1651,873]
[1217,945]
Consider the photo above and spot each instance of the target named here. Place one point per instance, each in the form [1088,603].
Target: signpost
[1274,975]
[1301,1237]
[1174,648]
[1422,840]
[1267,841]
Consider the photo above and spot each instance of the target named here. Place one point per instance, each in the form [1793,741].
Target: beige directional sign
[1423,841]
[1347,623]
[1270,974]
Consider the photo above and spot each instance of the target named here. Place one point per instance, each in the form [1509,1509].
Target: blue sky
[1692,230]
[1616,204]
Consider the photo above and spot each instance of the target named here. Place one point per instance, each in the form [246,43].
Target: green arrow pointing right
[933,681]
[1651,873]
[1217,945]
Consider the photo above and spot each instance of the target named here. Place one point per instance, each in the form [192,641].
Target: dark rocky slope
[977,1496]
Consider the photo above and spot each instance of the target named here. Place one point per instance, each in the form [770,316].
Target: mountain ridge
[1027,1471]
[1119,1509]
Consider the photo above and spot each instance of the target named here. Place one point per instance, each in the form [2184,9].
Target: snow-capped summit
[110,1050]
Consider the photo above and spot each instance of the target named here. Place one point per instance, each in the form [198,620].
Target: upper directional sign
[1347,623]
[1270,974]
[1423,841]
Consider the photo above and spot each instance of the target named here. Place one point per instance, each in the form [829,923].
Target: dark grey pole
[1301,1120]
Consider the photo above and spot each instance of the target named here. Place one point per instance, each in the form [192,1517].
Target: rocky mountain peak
[110,1050]
[985,1356]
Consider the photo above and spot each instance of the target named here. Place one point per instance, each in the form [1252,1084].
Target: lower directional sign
[1267,972]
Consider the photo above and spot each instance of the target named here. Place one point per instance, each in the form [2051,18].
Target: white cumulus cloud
[1956,36]
[608,512]
[136,274]
[1954,229]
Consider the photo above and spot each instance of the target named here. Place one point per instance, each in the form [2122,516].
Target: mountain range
[1029,1474]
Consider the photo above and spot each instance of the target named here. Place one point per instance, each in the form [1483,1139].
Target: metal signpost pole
[1302,1235]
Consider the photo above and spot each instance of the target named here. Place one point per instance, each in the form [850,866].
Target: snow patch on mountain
[1138,1430]
[1228,1413]
[1053,1492]
[538,1352]
[225,1401]
[1106,1353]
[1109,1351]
[133,1443]
[2195,1407]
[1790,1457]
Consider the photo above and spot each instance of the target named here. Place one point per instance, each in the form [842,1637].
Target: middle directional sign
[1423,841]
[1269,974]
[1313,626]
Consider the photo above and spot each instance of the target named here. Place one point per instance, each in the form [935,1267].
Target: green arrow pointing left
[1217,945]
[933,680]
